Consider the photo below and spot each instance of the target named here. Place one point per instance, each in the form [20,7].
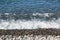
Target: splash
[29,24]
[29,21]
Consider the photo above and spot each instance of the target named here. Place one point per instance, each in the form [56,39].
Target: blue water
[30,6]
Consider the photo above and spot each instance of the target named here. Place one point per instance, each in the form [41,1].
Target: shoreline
[39,31]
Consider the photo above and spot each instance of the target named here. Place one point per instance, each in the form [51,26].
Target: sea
[29,14]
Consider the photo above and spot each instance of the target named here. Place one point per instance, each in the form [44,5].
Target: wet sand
[30,31]
[30,34]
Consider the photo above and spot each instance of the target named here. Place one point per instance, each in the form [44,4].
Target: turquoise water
[30,6]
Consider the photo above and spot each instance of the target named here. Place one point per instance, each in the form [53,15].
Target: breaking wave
[29,16]
[29,21]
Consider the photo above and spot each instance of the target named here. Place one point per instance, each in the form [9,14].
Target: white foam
[42,14]
[29,24]
[6,13]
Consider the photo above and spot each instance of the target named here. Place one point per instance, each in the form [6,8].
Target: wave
[32,23]
[41,16]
